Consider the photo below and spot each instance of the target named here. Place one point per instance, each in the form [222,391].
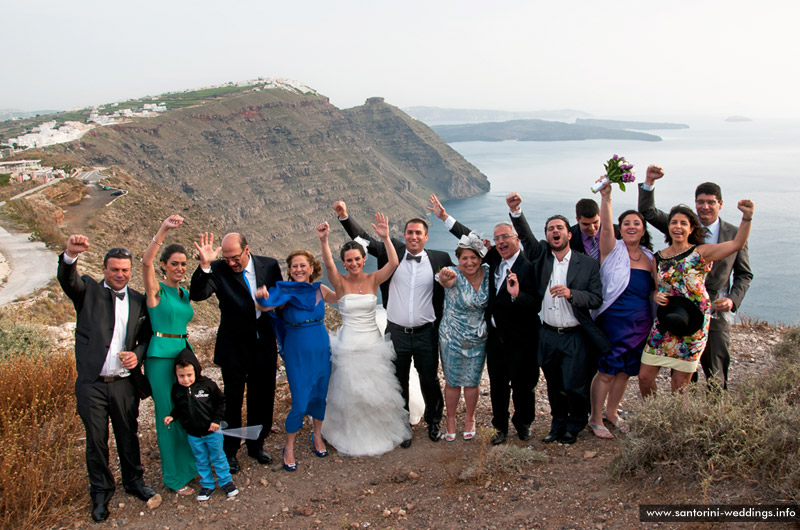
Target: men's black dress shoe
[99,512]
[261,456]
[551,437]
[567,438]
[405,444]
[434,433]
[233,463]
[524,434]
[498,438]
[144,493]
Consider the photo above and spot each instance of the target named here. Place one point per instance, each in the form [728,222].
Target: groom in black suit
[246,350]
[413,300]
[111,338]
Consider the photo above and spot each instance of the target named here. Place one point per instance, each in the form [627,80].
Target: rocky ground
[464,484]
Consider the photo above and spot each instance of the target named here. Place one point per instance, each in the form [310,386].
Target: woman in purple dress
[626,314]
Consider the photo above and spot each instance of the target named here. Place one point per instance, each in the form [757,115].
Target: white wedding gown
[364,414]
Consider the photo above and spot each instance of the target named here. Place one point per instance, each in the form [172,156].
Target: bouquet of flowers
[617,170]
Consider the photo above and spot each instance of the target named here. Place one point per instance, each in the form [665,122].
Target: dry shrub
[749,432]
[41,455]
[496,462]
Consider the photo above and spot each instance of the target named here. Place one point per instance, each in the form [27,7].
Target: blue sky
[614,58]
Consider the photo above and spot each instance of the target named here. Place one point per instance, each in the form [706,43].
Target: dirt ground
[554,486]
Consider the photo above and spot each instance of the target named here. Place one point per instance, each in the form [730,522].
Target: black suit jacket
[576,241]
[436,258]
[719,278]
[518,321]
[95,307]
[238,327]
[583,280]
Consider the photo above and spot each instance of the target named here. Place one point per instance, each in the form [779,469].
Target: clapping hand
[322,230]
[206,249]
[436,207]
[747,207]
[381,225]
[77,244]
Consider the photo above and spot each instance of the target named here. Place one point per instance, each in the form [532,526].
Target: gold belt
[170,335]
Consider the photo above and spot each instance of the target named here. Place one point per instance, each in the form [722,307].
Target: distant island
[635,125]
[535,131]
[735,119]
[434,115]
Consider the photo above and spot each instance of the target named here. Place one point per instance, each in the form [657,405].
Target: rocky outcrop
[272,162]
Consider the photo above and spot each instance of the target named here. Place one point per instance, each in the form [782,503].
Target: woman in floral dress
[680,270]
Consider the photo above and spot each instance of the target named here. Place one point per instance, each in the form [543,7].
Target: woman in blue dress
[463,332]
[627,311]
[305,346]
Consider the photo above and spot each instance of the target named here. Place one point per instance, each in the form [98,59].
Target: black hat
[680,316]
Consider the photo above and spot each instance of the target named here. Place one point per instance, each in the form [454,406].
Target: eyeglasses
[118,253]
[235,258]
[503,237]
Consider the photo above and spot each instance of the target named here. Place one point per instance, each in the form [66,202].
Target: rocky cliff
[270,163]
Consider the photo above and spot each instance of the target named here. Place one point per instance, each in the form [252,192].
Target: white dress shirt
[411,292]
[557,312]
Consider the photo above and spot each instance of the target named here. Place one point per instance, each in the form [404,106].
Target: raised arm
[647,200]
[726,248]
[607,238]
[354,230]
[381,227]
[327,259]
[148,269]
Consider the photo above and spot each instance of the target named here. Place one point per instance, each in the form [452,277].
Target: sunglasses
[118,253]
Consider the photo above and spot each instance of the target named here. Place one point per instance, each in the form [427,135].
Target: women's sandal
[469,435]
[601,431]
[321,454]
[449,436]
[288,467]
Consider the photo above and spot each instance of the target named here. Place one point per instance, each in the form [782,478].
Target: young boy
[199,406]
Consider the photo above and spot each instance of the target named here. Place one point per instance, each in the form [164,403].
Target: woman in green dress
[170,312]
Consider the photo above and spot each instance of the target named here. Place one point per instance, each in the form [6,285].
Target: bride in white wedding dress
[365,414]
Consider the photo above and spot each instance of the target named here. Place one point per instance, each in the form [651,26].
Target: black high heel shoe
[321,454]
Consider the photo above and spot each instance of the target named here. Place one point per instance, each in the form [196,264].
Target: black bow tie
[418,259]
[118,294]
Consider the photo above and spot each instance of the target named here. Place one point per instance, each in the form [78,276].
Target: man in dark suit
[569,284]
[513,324]
[111,338]
[413,300]
[246,350]
[726,295]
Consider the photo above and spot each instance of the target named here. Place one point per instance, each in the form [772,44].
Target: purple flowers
[618,170]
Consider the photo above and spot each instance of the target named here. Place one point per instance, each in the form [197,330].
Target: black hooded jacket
[198,406]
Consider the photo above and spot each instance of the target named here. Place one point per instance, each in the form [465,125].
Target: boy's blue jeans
[208,452]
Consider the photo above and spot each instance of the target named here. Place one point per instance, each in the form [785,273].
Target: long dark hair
[698,235]
[646,241]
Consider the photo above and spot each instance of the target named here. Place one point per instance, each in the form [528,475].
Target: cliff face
[271,163]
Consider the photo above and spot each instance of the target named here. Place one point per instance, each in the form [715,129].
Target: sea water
[758,160]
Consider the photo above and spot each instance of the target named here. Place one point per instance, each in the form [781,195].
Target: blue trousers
[208,452]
